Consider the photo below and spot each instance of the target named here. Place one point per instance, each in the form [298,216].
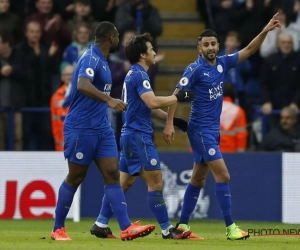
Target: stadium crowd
[41,41]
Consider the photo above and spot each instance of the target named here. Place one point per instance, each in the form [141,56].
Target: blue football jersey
[137,117]
[207,83]
[86,115]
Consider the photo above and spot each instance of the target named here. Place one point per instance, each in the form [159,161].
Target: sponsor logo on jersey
[215,92]
[211,151]
[184,81]
[153,162]
[146,84]
[206,74]
[79,155]
[107,88]
[89,72]
[220,68]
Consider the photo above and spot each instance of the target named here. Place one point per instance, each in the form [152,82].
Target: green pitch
[35,235]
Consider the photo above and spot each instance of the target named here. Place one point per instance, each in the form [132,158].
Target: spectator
[58,112]
[54,29]
[79,45]
[221,13]
[39,59]
[82,13]
[233,124]
[105,10]
[285,138]
[249,17]
[269,45]
[280,74]
[140,16]
[237,75]
[12,77]
[65,8]
[22,8]
[9,21]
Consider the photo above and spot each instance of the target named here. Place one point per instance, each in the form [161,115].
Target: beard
[209,58]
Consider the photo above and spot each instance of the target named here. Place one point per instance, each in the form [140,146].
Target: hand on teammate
[117,104]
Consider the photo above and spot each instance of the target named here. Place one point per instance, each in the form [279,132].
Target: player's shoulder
[192,68]
[139,74]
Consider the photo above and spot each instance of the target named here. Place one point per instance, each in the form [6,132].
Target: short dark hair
[104,30]
[207,33]
[136,46]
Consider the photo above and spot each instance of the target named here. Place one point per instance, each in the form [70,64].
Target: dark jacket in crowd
[278,140]
[280,80]
[12,88]
[39,72]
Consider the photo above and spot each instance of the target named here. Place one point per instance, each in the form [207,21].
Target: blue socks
[189,202]
[64,202]
[224,199]
[105,212]
[157,205]
[116,198]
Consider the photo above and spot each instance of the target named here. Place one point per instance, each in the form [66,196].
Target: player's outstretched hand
[117,105]
[185,95]
[180,123]
[273,23]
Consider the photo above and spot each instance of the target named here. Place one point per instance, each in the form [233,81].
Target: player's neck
[104,48]
[144,65]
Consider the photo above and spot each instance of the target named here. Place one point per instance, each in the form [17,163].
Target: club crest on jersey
[184,81]
[211,151]
[79,155]
[153,162]
[89,72]
[220,68]
[146,84]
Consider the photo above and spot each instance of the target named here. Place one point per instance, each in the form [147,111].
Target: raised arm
[254,45]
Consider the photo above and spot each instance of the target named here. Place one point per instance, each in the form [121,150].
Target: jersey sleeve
[231,60]
[188,77]
[87,66]
[142,83]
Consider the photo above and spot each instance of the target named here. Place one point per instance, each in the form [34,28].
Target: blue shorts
[205,146]
[83,149]
[138,150]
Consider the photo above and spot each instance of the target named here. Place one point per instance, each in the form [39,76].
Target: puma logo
[206,74]
[104,67]
[186,95]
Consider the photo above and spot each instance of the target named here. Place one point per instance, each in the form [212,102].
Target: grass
[35,234]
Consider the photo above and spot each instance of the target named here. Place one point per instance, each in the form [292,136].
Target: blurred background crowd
[41,41]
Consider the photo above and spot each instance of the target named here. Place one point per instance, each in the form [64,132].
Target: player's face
[150,55]
[208,48]
[114,41]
